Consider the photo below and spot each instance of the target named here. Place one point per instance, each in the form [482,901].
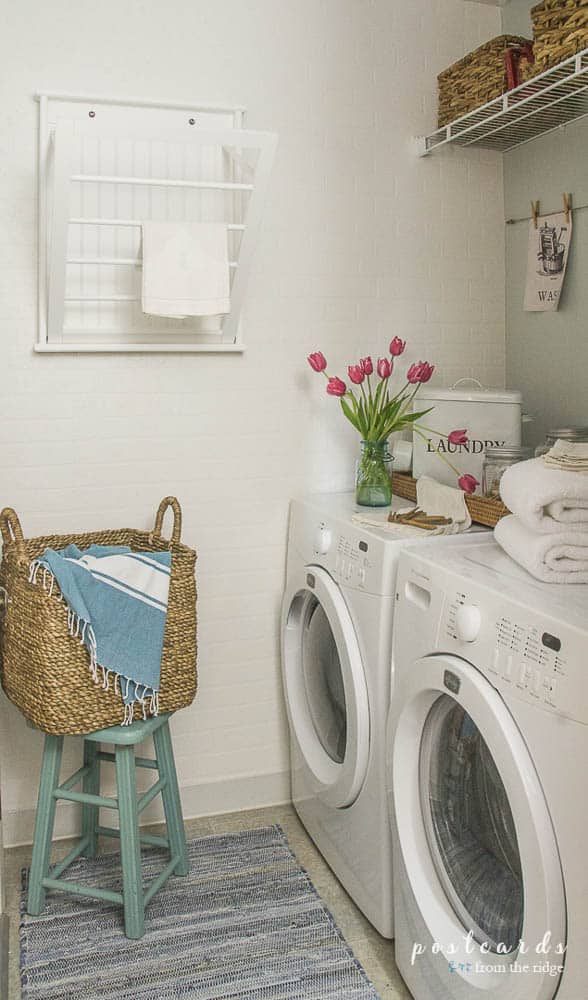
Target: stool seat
[126,736]
[133,897]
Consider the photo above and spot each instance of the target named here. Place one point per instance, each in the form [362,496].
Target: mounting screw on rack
[91,114]
[191,121]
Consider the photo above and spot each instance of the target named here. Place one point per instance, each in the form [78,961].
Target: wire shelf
[544,103]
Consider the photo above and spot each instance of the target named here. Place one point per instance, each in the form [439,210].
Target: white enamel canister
[492,418]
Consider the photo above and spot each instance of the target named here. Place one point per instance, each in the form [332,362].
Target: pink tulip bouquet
[376,413]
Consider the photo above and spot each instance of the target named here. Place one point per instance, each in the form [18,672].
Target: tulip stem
[418,431]
[431,430]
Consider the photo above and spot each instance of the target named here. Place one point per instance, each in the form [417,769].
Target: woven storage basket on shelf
[483,510]
[45,671]
[476,79]
[560,29]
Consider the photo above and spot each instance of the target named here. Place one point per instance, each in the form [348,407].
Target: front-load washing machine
[337,617]
[488,747]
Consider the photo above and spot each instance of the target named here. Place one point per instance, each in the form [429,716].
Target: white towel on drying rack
[185,269]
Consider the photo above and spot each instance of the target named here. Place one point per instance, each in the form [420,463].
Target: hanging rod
[117,261]
[139,102]
[160,182]
[232,226]
[527,218]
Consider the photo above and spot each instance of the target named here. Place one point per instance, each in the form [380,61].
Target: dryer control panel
[356,556]
[352,561]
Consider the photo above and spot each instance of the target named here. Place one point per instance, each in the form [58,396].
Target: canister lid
[471,395]
[518,452]
[569,433]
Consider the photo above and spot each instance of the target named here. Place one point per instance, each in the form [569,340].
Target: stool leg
[171,798]
[91,785]
[130,847]
[44,823]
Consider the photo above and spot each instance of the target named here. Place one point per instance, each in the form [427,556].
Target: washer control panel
[524,652]
[529,659]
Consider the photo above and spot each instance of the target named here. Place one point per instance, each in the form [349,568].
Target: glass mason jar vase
[373,475]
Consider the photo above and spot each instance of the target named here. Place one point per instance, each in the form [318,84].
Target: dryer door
[325,686]
[474,829]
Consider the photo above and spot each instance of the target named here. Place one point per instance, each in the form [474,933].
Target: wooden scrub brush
[419,519]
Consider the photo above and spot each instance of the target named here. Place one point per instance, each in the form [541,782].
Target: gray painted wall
[516,17]
[547,353]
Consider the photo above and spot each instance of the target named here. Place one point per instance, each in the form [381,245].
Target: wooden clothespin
[567,204]
[535,209]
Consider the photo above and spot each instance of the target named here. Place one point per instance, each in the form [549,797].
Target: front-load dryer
[488,745]
[337,619]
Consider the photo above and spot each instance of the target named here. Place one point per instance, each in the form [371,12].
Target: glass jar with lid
[496,462]
[576,435]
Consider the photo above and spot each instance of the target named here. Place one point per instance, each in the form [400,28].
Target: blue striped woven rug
[246,922]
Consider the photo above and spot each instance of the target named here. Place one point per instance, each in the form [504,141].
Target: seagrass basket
[483,510]
[477,78]
[560,29]
[44,671]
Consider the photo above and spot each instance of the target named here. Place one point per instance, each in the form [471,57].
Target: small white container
[492,418]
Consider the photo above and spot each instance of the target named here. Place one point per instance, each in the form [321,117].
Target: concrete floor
[375,953]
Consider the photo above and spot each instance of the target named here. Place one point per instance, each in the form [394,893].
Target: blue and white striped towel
[117,604]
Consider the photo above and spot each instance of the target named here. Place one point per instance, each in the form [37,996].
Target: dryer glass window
[470,826]
[323,682]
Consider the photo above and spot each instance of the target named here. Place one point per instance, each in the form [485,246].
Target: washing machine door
[475,832]
[325,686]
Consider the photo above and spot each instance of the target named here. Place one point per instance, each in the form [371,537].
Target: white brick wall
[361,241]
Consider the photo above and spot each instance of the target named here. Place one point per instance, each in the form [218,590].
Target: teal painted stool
[133,898]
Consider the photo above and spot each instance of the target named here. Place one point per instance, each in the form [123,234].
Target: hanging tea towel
[116,605]
[547,257]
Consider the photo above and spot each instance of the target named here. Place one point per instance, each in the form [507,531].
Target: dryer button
[507,669]
[524,674]
[322,540]
[550,690]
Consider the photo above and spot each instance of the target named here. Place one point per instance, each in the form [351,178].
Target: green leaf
[411,417]
[388,416]
[351,416]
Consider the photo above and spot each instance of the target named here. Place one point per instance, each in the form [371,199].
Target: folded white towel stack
[185,269]
[546,499]
[568,455]
[560,557]
[547,532]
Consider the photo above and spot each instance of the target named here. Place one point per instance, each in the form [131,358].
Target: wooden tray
[483,510]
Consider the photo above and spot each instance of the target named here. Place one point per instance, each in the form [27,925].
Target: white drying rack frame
[66,121]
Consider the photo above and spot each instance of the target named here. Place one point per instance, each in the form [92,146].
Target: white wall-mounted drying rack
[107,165]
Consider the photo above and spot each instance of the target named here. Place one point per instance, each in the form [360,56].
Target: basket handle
[177,528]
[12,531]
